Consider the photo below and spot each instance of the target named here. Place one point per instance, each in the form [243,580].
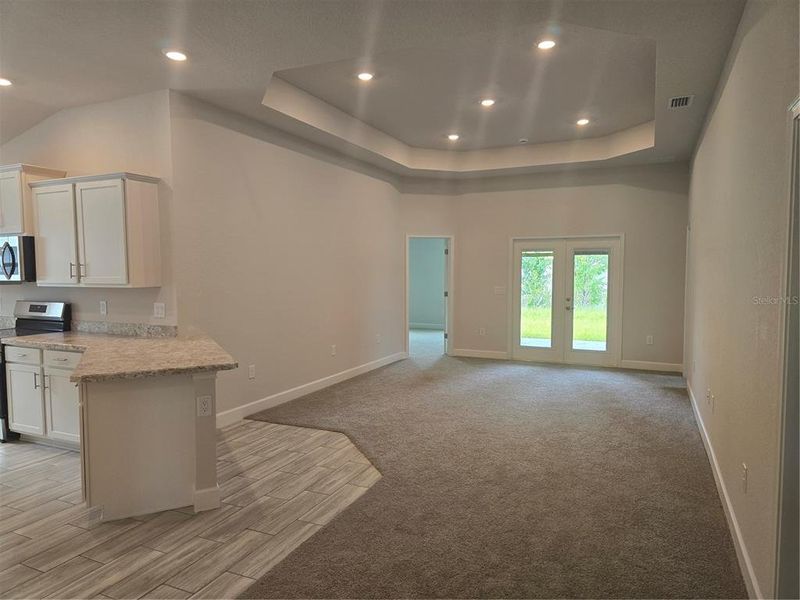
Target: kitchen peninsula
[147,417]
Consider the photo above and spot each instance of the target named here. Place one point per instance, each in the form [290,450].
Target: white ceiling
[62,53]
[419,95]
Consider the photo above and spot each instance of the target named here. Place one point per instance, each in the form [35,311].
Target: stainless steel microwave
[17,259]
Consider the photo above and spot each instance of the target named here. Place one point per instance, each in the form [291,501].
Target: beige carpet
[515,480]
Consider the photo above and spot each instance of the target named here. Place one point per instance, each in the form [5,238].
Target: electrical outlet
[649,340]
[744,477]
[333,349]
[251,372]
[482,331]
[103,307]
[159,310]
[204,406]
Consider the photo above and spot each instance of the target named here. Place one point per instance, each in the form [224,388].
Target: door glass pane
[536,299]
[590,301]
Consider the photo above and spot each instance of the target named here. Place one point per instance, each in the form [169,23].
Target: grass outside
[589,324]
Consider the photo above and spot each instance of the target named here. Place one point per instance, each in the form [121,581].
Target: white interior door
[567,300]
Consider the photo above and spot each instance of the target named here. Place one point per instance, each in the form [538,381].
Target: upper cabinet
[98,231]
[16,210]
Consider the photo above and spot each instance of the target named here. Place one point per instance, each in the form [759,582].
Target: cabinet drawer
[28,356]
[61,359]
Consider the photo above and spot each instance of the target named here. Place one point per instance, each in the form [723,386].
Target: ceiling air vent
[680,102]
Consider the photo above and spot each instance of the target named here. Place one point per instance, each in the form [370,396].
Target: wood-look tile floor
[279,484]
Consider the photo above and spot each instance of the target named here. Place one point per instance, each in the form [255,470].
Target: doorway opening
[567,300]
[428,295]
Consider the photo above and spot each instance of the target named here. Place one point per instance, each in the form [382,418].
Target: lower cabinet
[62,405]
[25,398]
[42,401]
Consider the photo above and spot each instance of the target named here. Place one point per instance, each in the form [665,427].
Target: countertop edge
[128,375]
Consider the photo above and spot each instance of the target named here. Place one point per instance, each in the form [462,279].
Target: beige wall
[737,251]
[132,134]
[281,255]
[647,204]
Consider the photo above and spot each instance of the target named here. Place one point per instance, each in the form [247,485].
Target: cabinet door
[62,408]
[102,245]
[11,213]
[56,244]
[25,398]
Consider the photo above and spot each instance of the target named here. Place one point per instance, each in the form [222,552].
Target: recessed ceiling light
[487,102]
[5,82]
[582,122]
[453,137]
[175,55]
[546,44]
[523,140]
[365,76]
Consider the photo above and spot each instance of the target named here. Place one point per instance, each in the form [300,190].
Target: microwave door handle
[7,249]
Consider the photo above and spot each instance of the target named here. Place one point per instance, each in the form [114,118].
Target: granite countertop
[108,357]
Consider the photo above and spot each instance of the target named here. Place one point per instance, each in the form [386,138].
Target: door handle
[35,381]
[81,269]
[47,382]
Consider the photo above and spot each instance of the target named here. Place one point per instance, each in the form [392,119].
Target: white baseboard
[745,564]
[228,417]
[206,499]
[495,354]
[646,365]
[434,326]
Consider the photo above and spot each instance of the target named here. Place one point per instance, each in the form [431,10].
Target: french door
[567,300]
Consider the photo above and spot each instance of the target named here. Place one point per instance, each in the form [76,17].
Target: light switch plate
[103,307]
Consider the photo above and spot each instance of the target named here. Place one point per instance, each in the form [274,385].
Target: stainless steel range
[33,317]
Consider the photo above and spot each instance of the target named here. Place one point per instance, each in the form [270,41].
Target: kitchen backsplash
[129,329]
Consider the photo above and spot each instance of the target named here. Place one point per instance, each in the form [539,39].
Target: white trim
[449,266]
[435,326]
[745,565]
[467,353]
[101,177]
[646,365]
[206,499]
[228,417]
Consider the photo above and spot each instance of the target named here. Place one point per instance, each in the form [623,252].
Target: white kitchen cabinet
[56,240]
[62,405]
[25,398]
[42,401]
[98,231]
[16,211]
